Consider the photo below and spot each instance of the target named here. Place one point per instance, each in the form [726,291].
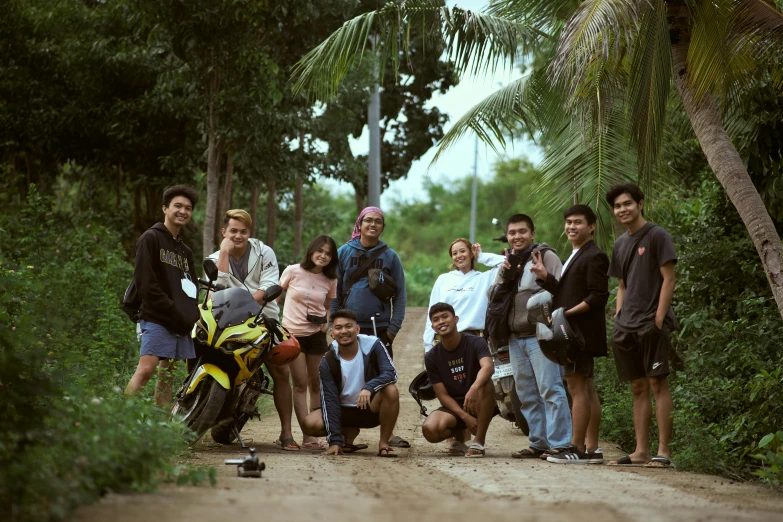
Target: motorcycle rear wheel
[202,409]
[520,419]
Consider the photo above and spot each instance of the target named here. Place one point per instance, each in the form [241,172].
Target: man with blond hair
[245,262]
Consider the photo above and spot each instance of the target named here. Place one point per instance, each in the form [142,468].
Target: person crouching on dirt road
[460,370]
[165,280]
[245,262]
[357,258]
[357,389]
[583,290]
[643,260]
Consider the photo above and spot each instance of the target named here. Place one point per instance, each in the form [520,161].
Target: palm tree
[599,98]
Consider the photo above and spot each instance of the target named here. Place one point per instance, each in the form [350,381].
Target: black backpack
[131,303]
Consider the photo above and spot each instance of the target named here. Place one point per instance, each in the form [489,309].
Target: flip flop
[659,461]
[315,445]
[287,445]
[399,442]
[527,453]
[350,448]
[387,453]
[627,462]
[475,451]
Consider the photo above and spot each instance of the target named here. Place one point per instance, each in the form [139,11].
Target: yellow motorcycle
[233,339]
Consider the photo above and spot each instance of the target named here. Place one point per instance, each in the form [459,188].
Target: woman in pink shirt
[310,287]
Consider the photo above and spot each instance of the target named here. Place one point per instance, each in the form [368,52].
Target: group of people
[358,290]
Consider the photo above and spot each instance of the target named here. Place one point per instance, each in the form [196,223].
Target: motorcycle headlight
[232,346]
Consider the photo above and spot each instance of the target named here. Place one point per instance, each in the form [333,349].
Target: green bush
[68,435]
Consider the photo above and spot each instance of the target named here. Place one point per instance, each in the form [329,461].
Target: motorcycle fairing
[208,369]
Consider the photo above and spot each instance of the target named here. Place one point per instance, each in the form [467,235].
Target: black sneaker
[572,456]
[555,451]
[596,457]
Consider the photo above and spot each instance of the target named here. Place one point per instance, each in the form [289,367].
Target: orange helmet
[283,353]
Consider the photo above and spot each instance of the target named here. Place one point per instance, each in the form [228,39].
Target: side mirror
[272,293]
[211,269]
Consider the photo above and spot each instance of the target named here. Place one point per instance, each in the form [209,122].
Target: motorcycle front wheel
[201,408]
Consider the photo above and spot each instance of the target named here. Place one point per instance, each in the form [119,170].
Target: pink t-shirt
[308,293]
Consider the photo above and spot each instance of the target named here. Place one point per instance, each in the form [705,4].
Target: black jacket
[161,264]
[584,279]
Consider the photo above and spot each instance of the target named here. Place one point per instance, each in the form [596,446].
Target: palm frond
[649,83]
[492,119]
[539,13]
[586,166]
[475,42]
[599,32]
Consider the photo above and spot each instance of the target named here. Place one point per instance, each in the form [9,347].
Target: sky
[458,161]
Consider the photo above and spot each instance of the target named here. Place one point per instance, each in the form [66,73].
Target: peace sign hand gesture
[538,267]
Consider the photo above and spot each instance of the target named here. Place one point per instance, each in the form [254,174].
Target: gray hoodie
[527,286]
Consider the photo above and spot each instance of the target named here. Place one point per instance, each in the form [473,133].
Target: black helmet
[421,389]
[559,342]
[539,308]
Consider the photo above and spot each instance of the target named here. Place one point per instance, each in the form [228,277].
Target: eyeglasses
[370,221]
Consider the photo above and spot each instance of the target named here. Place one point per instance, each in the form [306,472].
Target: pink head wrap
[358,224]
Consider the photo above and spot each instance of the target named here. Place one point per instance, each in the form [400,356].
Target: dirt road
[423,484]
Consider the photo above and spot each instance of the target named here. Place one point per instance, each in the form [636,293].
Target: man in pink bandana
[354,293]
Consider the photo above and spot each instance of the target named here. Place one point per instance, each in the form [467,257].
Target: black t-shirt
[456,369]
[643,287]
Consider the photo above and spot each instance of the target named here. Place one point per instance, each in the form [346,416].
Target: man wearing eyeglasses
[364,258]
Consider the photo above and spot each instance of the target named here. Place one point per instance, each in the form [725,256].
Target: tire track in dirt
[425,484]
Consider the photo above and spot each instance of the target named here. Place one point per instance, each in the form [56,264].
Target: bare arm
[667,291]
[448,402]
[620,297]
[484,375]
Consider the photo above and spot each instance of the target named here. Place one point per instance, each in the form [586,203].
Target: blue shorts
[158,341]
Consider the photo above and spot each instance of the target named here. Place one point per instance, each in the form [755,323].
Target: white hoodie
[467,293]
[262,272]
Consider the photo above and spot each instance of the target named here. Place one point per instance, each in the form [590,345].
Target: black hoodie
[161,263]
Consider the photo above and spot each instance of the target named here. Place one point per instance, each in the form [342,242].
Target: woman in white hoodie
[464,288]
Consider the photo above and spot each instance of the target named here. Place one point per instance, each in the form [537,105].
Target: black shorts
[461,423]
[584,365]
[314,344]
[641,354]
[359,418]
[382,336]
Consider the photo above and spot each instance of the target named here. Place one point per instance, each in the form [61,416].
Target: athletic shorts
[158,341]
[359,418]
[641,354]
[314,344]
[461,423]
[584,365]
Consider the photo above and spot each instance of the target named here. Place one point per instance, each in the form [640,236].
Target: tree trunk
[298,217]
[224,196]
[271,213]
[254,208]
[360,199]
[723,157]
[208,239]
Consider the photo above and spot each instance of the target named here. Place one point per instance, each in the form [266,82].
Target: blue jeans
[540,389]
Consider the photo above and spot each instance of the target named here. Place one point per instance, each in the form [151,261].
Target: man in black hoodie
[165,279]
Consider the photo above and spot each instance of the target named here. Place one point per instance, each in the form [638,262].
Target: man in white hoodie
[245,262]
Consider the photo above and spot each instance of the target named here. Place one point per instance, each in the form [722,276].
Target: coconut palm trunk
[723,157]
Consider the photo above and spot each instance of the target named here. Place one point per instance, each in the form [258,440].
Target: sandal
[553,452]
[659,461]
[476,451]
[455,448]
[350,448]
[528,453]
[316,445]
[287,445]
[627,462]
[387,452]
[399,442]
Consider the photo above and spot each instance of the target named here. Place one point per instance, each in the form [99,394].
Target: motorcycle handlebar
[215,287]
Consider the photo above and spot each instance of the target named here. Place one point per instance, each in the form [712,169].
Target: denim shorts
[158,341]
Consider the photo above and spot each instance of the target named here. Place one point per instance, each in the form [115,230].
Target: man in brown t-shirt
[643,260]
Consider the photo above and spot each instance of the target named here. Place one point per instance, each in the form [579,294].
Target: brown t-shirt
[643,287]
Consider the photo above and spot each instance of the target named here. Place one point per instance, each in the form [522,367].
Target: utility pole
[473,195]
[373,124]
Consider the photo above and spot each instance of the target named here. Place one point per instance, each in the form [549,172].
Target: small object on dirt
[309,478]
[250,466]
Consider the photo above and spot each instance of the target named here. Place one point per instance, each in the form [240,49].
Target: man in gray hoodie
[538,380]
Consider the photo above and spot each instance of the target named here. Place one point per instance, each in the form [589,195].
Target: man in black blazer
[583,291]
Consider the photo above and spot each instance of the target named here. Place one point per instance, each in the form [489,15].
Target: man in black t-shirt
[643,261]
[460,370]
